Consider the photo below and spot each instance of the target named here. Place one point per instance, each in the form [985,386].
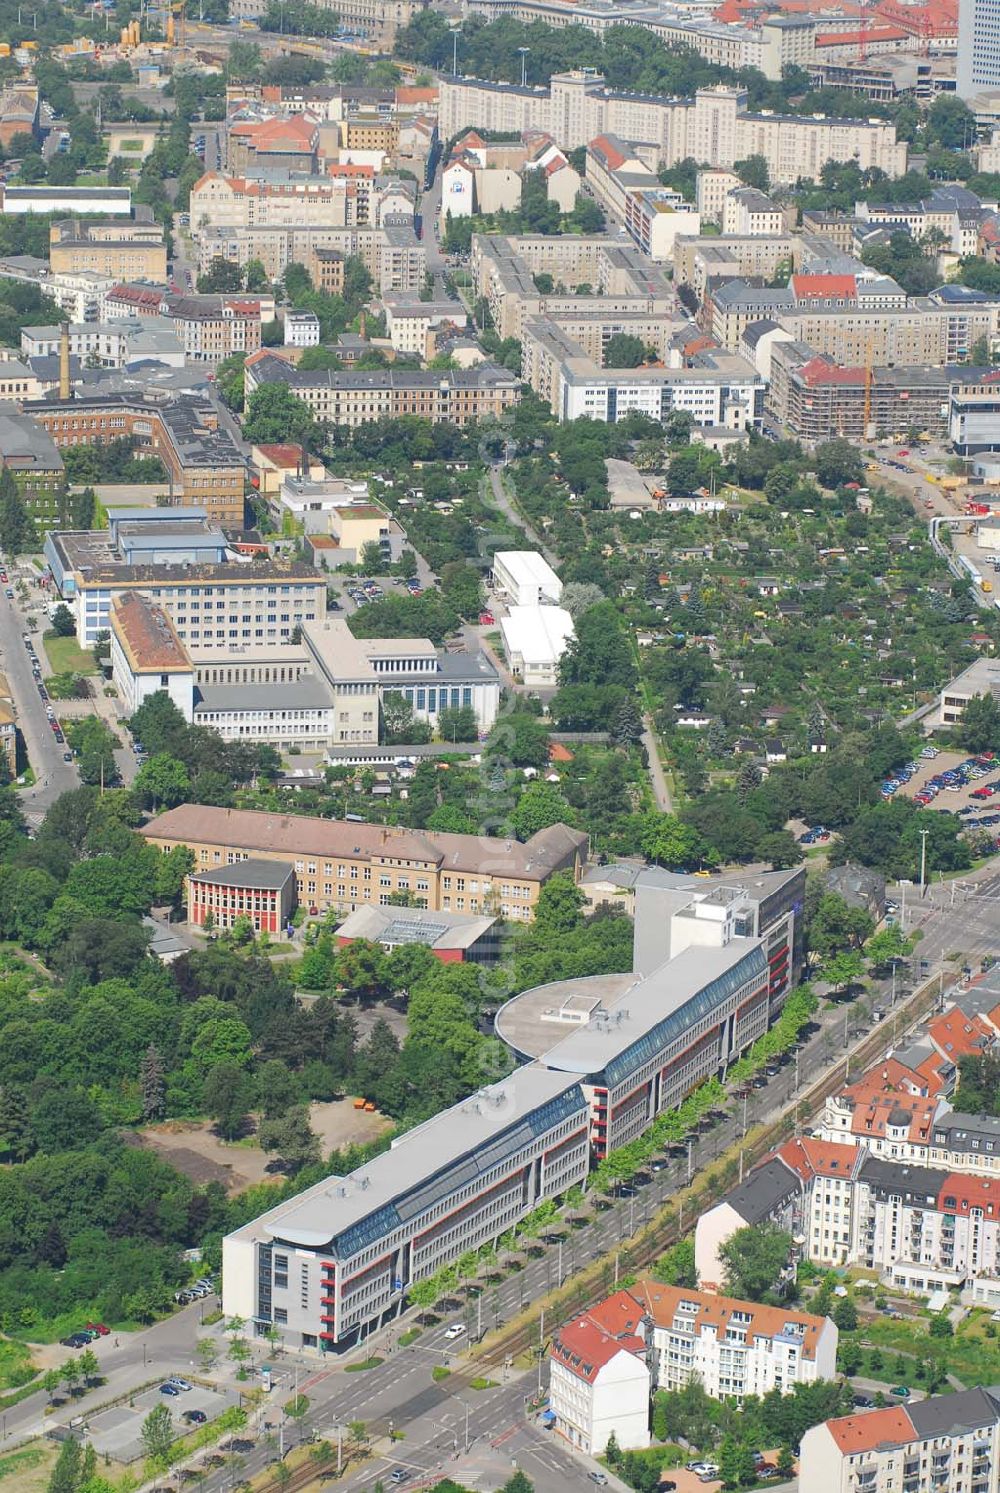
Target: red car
[902,453]
[486,619]
[99,1328]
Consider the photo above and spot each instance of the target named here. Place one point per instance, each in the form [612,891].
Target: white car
[457,1329]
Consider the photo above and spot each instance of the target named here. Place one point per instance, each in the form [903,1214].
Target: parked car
[169,1389]
[901,1392]
[99,1328]
[75,1340]
[195,1417]
[178,1382]
[863,1402]
[599,1478]
[398,1475]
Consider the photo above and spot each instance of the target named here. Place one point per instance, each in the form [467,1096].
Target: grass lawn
[16,1367]
[28,1470]
[970,1355]
[66,656]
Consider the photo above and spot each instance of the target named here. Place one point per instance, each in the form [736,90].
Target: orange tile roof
[406,94]
[866,1433]
[854,38]
[824,287]
[612,155]
[958,1035]
[585,1345]
[816,1158]
[286,455]
[661,1303]
[960,1192]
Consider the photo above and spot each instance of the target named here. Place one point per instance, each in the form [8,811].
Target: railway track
[646,1247]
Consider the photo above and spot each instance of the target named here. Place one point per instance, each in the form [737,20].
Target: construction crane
[175,28]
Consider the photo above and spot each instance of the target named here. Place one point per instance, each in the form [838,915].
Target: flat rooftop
[608,1015]
[347,1214]
[147,636]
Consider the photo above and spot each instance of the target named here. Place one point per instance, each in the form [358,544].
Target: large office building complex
[978,47]
[601,1058]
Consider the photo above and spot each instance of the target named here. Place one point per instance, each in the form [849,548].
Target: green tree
[844,969]
[753,172]
[274,413]
[624,351]
[838,461]
[540,805]
[457,723]
[979,728]
[227,1097]
[277,1089]
[88,1365]
[291,1137]
[736,1464]
[156,1434]
[753,1259]
[781,850]
[66,1474]
[845,1315]
[668,841]
[162,782]
[63,622]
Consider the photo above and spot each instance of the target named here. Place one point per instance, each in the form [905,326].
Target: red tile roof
[816,1158]
[612,156]
[824,287]
[866,1433]
[957,1035]
[854,38]
[587,1344]
[287,455]
[960,1192]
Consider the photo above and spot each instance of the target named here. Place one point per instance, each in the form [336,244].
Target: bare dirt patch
[339,1124]
[194,1149]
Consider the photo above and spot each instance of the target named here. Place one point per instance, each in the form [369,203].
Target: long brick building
[344,865]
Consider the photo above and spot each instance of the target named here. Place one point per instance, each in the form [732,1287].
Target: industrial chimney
[64,389]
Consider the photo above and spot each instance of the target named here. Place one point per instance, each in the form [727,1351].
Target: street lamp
[524,64]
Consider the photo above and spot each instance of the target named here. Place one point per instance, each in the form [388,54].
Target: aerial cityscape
[499,726]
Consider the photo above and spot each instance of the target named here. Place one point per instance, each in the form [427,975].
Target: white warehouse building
[525,579]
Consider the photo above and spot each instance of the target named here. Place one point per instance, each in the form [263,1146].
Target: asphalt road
[53,776]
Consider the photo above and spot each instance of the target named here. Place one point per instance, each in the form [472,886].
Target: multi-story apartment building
[204,466]
[355,398]
[715,127]
[746,212]
[125,251]
[344,866]
[973,408]
[817,399]
[392,254]
[621,280]
[875,324]
[599,1380]
[29,454]
[341,200]
[376,20]
[605,1364]
[949,1443]
[212,328]
[735,1348]
[715,389]
[733,256]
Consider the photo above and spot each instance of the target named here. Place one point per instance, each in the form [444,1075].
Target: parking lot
[118,1431]
[967,796]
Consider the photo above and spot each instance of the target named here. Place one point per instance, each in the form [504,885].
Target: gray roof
[764,1191]
[915,1183]
[344,1215]
[270,874]
[402,925]
[25,445]
[299,694]
[959,1131]
[657,1010]
[955,1414]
